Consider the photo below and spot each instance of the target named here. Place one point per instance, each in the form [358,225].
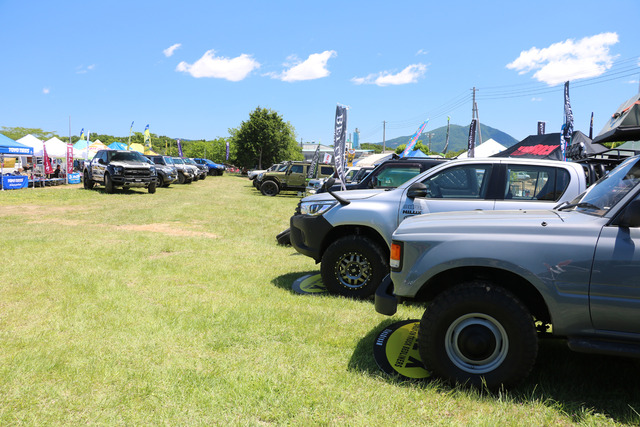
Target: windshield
[131,156]
[168,160]
[189,161]
[177,161]
[609,189]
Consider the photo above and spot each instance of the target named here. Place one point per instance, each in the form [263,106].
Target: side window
[535,182]
[326,170]
[460,182]
[392,177]
[297,168]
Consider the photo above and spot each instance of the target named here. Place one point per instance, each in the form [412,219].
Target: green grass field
[176,309]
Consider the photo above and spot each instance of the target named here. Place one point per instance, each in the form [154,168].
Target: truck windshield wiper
[579,205]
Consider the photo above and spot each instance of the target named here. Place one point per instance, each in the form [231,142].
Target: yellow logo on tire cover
[309,284]
[396,350]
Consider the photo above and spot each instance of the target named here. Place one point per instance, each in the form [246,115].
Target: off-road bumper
[308,233]
[385,302]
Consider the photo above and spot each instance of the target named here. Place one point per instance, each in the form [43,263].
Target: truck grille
[137,173]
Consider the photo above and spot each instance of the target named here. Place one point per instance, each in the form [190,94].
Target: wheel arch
[523,289]
[353,230]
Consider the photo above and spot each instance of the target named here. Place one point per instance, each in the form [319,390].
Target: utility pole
[430,135]
[384,128]
[474,114]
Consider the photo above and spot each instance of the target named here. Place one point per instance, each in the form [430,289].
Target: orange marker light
[396,255]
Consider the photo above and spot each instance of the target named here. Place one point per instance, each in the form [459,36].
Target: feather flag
[82,134]
[339,143]
[414,139]
[567,127]
[147,137]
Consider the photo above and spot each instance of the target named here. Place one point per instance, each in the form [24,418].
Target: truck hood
[347,195]
[125,163]
[494,222]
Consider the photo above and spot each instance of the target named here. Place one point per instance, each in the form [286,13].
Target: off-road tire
[354,266]
[160,181]
[87,182]
[479,334]
[269,188]
[181,178]
[108,183]
[152,187]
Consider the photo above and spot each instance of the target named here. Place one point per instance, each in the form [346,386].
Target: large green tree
[18,132]
[264,139]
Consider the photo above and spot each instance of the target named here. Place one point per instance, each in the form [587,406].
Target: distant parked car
[165,169]
[203,170]
[185,172]
[214,168]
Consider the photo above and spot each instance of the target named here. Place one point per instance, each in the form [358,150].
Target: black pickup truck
[118,168]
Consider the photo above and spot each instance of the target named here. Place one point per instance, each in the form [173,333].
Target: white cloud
[170,50]
[314,67]
[534,99]
[410,74]
[232,69]
[46,90]
[422,52]
[83,70]
[568,60]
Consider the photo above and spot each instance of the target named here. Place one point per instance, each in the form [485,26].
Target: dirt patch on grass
[167,229]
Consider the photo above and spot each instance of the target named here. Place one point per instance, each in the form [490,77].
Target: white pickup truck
[349,232]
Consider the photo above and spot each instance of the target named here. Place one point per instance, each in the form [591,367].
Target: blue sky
[194,69]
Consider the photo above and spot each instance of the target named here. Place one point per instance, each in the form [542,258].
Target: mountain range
[458,138]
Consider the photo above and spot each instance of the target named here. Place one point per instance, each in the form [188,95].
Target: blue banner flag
[82,134]
[178,142]
[414,139]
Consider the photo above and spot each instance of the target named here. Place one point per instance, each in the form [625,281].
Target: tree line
[263,139]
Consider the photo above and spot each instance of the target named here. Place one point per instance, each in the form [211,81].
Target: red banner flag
[46,162]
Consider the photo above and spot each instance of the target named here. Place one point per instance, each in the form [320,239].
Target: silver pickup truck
[351,236]
[496,281]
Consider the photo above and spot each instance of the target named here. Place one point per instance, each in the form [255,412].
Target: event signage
[567,127]
[179,143]
[74,178]
[69,158]
[309,284]
[414,139]
[339,143]
[541,128]
[47,163]
[472,138]
[395,351]
[314,163]
[14,182]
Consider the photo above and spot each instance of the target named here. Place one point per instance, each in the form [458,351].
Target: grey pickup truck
[497,282]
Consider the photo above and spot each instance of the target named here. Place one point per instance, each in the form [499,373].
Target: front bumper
[122,181]
[307,234]
[385,302]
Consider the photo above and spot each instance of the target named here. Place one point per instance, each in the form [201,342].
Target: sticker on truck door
[412,208]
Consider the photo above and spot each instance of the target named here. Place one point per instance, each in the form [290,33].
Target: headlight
[260,176]
[118,170]
[316,208]
[152,170]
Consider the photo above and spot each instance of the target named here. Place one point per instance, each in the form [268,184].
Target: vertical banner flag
[567,127]
[314,163]
[179,147]
[414,139]
[69,159]
[591,127]
[227,157]
[86,150]
[147,138]
[446,143]
[541,128]
[130,130]
[472,138]
[46,162]
[82,134]
[339,143]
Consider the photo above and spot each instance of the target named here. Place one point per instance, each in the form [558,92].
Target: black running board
[611,348]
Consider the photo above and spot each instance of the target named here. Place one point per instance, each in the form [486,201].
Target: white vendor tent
[56,149]
[33,142]
[486,149]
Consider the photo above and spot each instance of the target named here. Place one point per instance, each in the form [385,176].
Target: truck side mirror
[417,189]
[630,217]
[329,183]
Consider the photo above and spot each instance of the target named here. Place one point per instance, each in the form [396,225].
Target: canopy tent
[9,146]
[486,149]
[624,124]
[34,143]
[373,159]
[55,148]
[117,146]
[547,146]
[416,153]
[581,146]
[80,145]
[137,147]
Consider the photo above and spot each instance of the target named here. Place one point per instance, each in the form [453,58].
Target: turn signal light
[396,256]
